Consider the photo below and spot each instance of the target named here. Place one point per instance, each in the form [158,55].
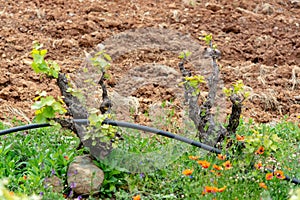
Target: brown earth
[259,41]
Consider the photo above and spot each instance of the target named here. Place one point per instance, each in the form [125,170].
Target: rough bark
[236,111]
[106,104]
[77,111]
[210,131]
[75,108]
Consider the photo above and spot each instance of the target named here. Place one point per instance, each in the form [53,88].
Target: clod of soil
[259,42]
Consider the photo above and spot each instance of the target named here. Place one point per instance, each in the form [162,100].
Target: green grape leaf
[184,54]
[39,65]
[267,143]
[274,147]
[48,112]
[107,57]
[41,118]
[43,52]
[37,105]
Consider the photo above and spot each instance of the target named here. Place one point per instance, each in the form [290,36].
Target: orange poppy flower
[258,165]
[25,177]
[194,157]
[227,165]
[66,157]
[222,189]
[263,185]
[137,197]
[279,174]
[216,167]
[216,173]
[203,163]
[221,157]
[260,150]
[269,176]
[240,138]
[209,189]
[187,172]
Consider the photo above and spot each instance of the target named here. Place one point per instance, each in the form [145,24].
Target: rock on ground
[84,177]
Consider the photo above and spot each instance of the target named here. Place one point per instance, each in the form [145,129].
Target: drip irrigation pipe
[23,128]
[163,133]
[138,127]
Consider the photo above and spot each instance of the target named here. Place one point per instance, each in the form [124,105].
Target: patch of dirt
[259,41]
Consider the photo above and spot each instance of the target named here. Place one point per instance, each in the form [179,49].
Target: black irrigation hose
[287,178]
[156,131]
[163,133]
[23,128]
[138,127]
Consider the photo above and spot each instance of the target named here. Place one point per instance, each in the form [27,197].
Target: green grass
[28,158]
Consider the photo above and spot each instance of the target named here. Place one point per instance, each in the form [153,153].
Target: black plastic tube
[138,127]
[125,125]
[23,128]
[163,133]
[287,178]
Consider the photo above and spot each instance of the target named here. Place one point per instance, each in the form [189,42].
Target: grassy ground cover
[28,158]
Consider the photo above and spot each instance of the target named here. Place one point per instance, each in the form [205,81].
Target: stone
[84,177]
[19,48]
[266,9]
[55,183]
[295,3]
[172,5]
[123,106]
[213,7]
[297,99]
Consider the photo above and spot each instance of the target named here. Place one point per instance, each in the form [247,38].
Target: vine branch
[201,115]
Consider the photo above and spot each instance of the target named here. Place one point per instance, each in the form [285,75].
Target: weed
[28,158]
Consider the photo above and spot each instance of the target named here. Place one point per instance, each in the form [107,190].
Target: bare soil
[259,41]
